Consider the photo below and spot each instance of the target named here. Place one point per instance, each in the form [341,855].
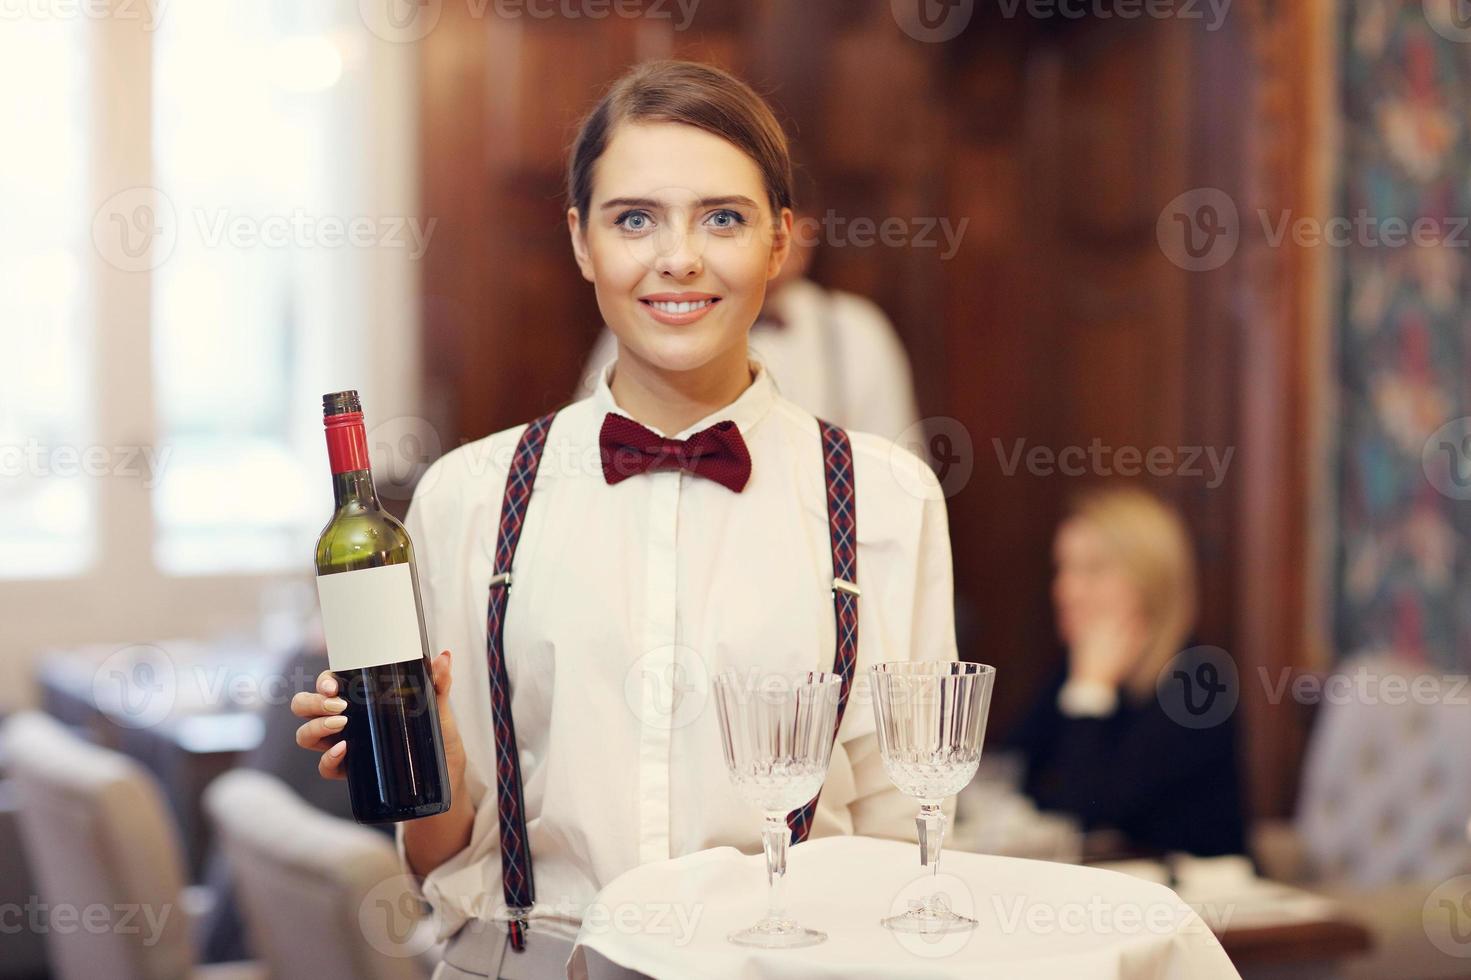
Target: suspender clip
[503,578]
[843,585]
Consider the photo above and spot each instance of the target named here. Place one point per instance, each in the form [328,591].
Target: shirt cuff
[455,891]
[1087,699]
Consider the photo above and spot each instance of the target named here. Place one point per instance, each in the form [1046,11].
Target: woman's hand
[1106,651]
[326,720]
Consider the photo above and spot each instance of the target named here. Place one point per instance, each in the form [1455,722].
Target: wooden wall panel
[1058,320]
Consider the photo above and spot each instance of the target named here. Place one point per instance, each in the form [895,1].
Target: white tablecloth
[1036,919]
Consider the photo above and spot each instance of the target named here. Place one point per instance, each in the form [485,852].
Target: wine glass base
[929,922]
[777,934]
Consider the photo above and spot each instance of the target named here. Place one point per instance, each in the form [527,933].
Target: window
[47,503]
[255,152]
[254,244]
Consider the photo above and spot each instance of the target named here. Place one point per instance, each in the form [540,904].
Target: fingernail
[335,704]
[330,685]
[337,749]
[335,723]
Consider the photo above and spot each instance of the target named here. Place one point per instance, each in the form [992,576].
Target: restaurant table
[1268,928]
[206,719]
[1035,919]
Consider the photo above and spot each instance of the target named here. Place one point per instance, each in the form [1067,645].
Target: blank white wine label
[369,617]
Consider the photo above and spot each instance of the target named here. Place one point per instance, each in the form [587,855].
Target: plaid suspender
[842,526]
[516,879]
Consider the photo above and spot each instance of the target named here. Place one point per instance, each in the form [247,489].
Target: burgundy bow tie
[718,452]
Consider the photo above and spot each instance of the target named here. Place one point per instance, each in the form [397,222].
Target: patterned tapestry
[1404,452]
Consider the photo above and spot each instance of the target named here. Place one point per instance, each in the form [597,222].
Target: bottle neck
[355,488]
[347,453]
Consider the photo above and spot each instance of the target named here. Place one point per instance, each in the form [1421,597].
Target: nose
[680,255]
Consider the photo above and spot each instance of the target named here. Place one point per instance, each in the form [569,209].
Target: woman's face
[680,241]
[1091,587]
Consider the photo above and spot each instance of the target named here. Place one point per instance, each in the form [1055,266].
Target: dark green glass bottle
[377,644]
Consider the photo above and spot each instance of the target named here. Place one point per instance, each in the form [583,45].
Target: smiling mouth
[676,309]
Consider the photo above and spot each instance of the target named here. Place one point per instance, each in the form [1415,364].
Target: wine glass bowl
[777,734]
[777,785]
[930,718]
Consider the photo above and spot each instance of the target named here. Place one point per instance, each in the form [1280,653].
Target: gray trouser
[479,950]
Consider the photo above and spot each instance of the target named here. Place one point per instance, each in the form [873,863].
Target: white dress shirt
[625,601]
[836,354]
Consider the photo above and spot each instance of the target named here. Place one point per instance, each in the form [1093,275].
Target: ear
[781,243]
[579,244]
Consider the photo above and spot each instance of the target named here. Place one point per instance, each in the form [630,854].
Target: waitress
[595,568]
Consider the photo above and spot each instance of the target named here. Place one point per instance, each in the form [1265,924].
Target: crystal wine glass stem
[931,824]
[774,837]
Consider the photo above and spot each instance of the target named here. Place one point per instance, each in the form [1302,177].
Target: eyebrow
[705,202]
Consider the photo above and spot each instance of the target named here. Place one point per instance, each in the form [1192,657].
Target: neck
[672,401]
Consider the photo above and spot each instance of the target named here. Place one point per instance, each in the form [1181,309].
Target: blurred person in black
[1100,745]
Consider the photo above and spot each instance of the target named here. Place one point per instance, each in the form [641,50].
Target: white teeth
[677,308]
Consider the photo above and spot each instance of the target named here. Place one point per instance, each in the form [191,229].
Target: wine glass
[777,731]
[931,718]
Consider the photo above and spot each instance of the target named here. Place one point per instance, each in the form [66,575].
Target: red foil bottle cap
[347,442]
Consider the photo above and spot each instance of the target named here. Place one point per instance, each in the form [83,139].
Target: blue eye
[633,220]
[734,218]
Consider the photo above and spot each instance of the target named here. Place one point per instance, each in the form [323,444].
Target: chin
[676,353]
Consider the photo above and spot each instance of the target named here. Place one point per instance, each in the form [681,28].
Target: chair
[106,859]
[1382,815]
[322,897]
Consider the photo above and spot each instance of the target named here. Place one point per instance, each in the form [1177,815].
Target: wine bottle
[377,644]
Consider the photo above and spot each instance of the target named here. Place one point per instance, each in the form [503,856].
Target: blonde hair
[1150,540]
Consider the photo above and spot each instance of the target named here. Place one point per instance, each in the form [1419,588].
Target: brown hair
[1151,541]
[696,95]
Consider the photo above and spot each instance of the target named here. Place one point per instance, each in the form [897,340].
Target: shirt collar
[749,407]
